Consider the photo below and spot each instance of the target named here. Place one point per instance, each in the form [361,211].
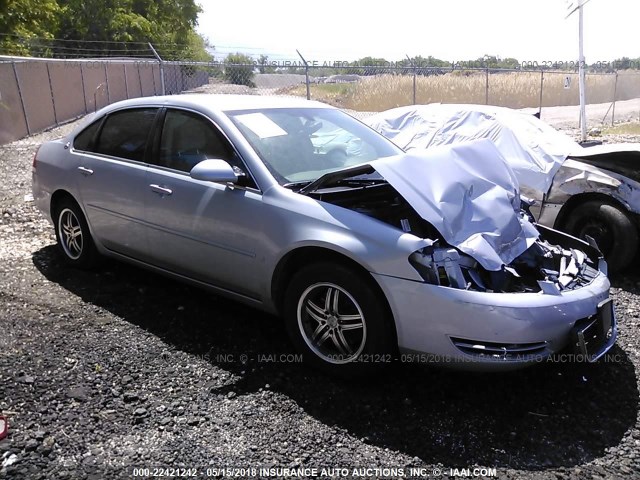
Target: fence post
[413,67]
[124,75]
[414,83]
[53,97]
[541,89]
[161,69]
[140,79]
[306,74]
[153,77]
[95,96]
[84,93]
[24,110]
[106,82]
[615,90]
[486,87]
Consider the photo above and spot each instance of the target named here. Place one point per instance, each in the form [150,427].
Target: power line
[72,40]
[64,47]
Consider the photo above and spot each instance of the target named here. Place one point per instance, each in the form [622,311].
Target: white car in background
[585,191]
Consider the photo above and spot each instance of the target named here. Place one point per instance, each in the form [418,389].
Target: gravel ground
[107,370]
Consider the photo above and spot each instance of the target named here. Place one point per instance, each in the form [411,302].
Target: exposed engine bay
[553,263]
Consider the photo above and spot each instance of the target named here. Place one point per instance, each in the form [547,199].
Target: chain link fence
[36,94]
[378,88]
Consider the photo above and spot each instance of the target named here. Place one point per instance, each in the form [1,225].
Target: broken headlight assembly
[543,267]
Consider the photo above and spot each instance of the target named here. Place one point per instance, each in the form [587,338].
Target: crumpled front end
[498,331]
[551,265]
[498,292]
[469,194]
[553,296]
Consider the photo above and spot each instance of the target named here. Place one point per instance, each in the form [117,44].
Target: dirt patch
[117,368]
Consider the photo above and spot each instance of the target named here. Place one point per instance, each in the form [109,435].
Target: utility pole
[306,74]
[581,62]
[583,116]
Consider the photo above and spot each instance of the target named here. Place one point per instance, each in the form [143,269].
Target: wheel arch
[577,200]
[61,194]
[299,257]
[57,197]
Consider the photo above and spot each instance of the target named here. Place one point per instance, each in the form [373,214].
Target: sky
[453,30]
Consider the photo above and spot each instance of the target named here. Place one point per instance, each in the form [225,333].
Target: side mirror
[214,171]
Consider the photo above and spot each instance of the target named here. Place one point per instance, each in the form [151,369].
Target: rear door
[207,231]
[112,176]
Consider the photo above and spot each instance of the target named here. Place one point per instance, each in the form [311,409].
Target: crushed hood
[469,194]
[534,150]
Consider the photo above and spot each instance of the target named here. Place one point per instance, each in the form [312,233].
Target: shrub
[238,69]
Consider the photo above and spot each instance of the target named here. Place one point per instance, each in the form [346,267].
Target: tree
[511,63]
[89,28]
[262,62]
[429,62]
[23,20]
[626,63]
[372,62]
[372,65]
[238,69]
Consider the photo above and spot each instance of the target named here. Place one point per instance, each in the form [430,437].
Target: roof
[221,102]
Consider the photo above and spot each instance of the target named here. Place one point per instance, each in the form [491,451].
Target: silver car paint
[246,249]
[116,217]
[485,317]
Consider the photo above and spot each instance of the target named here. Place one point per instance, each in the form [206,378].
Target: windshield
[299,145]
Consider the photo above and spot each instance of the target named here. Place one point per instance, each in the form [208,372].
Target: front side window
[187,139]
[302,144]
[125,134]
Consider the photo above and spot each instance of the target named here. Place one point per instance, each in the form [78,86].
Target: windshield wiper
[358,182]
[296,185]
[332,178]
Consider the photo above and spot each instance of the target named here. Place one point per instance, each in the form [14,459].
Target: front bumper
[492,331]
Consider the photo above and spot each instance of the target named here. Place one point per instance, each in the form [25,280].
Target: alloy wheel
[70,233]
[332,323]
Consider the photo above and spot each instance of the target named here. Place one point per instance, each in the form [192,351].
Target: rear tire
[337,319]
[73,235]
[611,228]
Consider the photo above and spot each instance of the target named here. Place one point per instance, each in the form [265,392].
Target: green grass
[632,128]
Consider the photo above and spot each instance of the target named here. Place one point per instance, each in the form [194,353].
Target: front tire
[73,235]
[337,319]
[611,228]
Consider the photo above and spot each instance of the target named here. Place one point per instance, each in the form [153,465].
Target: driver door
[204,230]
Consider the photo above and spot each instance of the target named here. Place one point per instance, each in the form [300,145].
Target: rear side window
[125,134]
[84,139]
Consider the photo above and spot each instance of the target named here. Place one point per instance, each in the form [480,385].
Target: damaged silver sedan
[367,254]
[587,192]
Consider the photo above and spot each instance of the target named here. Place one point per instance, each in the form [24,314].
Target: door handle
[85,171]
[161,190]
